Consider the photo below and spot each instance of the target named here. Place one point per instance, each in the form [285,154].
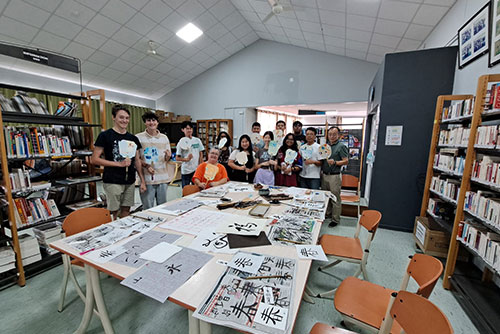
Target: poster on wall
[473,37]
[494,54]
[393,135]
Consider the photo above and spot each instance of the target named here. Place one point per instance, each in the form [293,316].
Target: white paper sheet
[160,253]
[311,252]
[105,254]
[246,262]
[208,241]
[177,208]
[272,316]
[194,221]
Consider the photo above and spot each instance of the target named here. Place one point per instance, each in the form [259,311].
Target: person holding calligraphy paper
[118,152]
[289,162]
[224,144]
[155,154]
[210,173]
[242,161]
[265,162]
[335,155]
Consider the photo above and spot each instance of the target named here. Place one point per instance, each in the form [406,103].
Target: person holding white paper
[310,176]
[155,153]
[119,169]
[189,152]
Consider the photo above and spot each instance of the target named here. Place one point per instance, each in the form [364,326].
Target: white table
[193,292]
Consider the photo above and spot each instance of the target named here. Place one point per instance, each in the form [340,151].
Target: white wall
[461,12]
[16,78]
[260,75]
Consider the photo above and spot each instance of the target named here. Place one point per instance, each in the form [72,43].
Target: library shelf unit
[50,180]
[472,281]
[208,130]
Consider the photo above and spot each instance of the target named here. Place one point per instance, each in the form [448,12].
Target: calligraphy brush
[290,241]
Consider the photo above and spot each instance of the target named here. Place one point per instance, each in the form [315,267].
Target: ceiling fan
[151,51]
[276,9]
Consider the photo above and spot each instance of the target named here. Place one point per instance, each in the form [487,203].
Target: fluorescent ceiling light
[189,33]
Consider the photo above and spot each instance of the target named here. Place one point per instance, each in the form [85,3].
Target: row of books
[446,187]
[7,259]
[457,109]
[484,205]
[436,206]
[487,169]
[492,98]
[29,142]
[30,251]
[23,103]
[487,135]
[34,210]
[484,242]
[68,194]
[449,163]
[458,136]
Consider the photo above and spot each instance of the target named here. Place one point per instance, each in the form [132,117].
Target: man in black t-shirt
[119,171]
[297,133]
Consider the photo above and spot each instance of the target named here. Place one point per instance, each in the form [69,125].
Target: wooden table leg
[99,299]
[89,303]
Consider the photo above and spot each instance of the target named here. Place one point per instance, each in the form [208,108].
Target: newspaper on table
[135,247]
[304,212]
[289,230]
[177,208]
[108,234]
[212,192]
[160,280]
[253,305]
[307,204]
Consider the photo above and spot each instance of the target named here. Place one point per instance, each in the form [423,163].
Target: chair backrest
[190,189]
[85,219]
[349,181]
[370,219]
[417,315]
[425,270]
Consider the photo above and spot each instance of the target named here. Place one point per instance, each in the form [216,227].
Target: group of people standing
[297,161]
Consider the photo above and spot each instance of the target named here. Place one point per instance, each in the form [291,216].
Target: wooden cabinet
[208,130]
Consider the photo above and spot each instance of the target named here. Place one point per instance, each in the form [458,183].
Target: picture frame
[494,52]
[473,37]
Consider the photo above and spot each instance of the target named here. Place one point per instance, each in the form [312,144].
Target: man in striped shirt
[155,153]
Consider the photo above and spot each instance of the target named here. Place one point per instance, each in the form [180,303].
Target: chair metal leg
[64,283]
[363,269]
[194,324]
[358,272]
[75,282]
[328,294]
[329,265]
[101,306]
[89,303]
[308,294]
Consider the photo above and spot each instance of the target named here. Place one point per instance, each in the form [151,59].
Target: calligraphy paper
[177,208]
[311,252]
[235,301]
[288,230]
[160,252]
[246,262]
[105,254]
[241,225]
[208,241]
[134,248]
[272,316]
[88,241]
[160,280]
[195,221]
[242,241]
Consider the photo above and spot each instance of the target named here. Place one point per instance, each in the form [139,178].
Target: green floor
[33,308]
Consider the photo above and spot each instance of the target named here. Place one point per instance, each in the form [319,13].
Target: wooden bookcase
[207,130]
[475,290]
[13,118]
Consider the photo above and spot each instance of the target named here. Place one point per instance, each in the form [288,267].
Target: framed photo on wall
[473,39]
[494,54]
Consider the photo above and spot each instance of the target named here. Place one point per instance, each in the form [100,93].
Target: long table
[192,293]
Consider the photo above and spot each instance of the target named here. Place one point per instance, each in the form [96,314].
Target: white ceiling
[111,36]
[347,109]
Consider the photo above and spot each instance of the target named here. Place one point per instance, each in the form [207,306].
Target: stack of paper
[7,259]
[48,233]
[30,250]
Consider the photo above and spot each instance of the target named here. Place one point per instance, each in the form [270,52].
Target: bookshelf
[470,139]
[63,144]
[207,130]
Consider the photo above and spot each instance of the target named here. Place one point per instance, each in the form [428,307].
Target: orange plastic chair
[348,249]
[76,222]
[406,311]
[190,189]
[350,196]
[365,304]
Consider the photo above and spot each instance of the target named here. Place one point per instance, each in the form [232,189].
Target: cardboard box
[165,116]
[431,240]
[182,118]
